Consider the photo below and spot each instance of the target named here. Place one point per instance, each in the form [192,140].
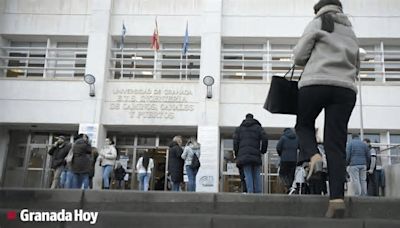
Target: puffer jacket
[287,146]
[328,58]
[58,154]
[249,142]
[81,157]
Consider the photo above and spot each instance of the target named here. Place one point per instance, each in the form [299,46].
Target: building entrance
[158,179]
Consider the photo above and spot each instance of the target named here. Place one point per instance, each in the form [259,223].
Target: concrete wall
[392,181]
[45,101]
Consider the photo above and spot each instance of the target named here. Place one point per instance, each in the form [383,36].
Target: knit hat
[323,3]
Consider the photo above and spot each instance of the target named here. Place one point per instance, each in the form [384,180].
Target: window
[44,59]
[141,62]
[26,59]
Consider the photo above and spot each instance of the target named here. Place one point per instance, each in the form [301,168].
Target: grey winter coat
[328,58]
[189,152]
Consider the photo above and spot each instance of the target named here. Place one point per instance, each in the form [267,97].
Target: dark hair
[328,24]
[146,159]
[249,116]
[354,135]
[367,140]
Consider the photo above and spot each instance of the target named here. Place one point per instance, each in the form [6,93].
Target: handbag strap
[291,75]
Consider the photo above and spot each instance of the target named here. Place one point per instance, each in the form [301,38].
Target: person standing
[119,174]
[287,150]
[80,164]
[108,155]
[144,167]
[58,152]
[372,180]
[357,156]
[249,143]
[329,52]
[175,163]
[192,149]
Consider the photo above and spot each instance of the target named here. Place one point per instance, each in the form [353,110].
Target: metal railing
[261,64]
[145,63]
[42,62]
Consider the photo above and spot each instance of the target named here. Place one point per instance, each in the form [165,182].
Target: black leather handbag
[282,95]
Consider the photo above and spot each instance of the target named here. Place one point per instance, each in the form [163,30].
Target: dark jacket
[357,153]
[287,146]
[119,173]
[58,154]
[175,162]
[249,142]
[81,159]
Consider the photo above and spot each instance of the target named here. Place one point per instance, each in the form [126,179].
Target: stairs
[196,210]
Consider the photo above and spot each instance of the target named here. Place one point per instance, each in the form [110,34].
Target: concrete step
[203,203]
[168,220]
[172,209]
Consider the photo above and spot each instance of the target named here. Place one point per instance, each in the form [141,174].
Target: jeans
[358,179]
[66,179]
[252,175]
[106,175]
[338,103]
[176,186]
[144,179]
[57,176]
[192,178]
[80,179]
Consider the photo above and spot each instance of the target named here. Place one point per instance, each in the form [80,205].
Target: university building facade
[142,98]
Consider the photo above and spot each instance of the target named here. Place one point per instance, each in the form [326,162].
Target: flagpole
[122,62]
[155,64]
[186,65]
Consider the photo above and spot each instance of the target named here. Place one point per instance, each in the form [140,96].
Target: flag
[155,41]
[123,36]
[185,41]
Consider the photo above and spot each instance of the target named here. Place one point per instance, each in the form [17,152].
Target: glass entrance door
[36,171]
[158,179]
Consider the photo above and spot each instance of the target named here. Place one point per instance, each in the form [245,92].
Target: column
[208,127]
[97,64]
[4,141]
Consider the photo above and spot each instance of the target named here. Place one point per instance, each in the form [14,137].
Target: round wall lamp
[209,81]
[90,79]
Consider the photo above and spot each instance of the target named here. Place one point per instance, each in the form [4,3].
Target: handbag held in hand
[282,95]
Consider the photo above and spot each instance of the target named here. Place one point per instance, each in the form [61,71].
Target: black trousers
[286,173]
[338,103]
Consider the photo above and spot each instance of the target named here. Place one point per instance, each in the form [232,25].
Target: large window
[47,59]
[263,60]
[141,62]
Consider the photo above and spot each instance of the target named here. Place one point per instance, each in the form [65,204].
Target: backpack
[195,162]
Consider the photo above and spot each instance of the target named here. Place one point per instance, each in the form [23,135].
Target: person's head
[85,137]
[328,23]
[249,116]
[109,141]
[192,140]
[60,139]
[367,141]
[119,165]
[354,136]
[178,139]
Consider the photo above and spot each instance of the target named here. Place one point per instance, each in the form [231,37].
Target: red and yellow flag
[155,40]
